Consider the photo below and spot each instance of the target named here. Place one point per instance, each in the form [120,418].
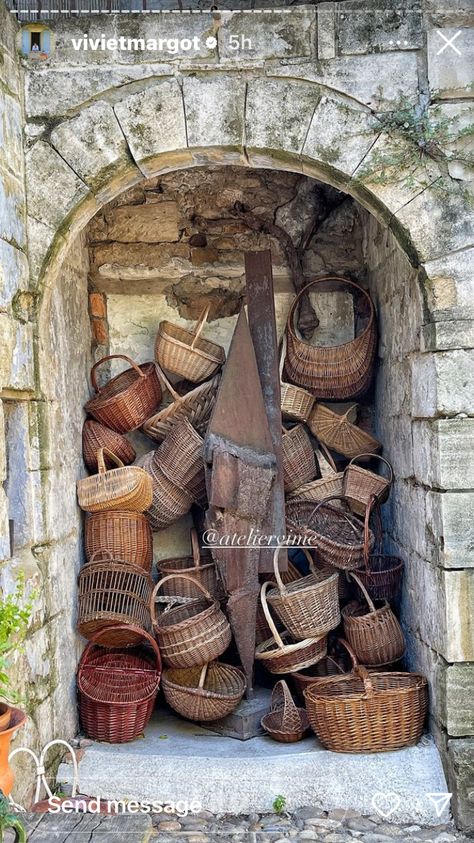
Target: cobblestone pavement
[305,824]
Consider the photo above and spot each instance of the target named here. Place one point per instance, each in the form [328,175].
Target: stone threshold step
[84,828]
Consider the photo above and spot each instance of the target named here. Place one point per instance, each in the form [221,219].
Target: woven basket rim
[262,652]
[320,578]
[166,334]
[204,693]
[344,281]
[415,682]
[101,400]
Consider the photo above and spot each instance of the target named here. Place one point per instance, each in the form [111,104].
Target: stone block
[3,455]
[458,587]
[449,73]
[40,239]
[7,344]
[459,117]
[368,28]
[94,146]
[4,526]
[214,109]
[450,288]
[339,136]
[443,450]
[54,189]
[153,123]
[444,336]
[459,697]
[296,104]
[11,134]
[22,375]
[19,486]
[442,384]
[13,273]
[257,38]
[12,208]
[460,773]
[450,519]
[97,305]
[140,260]
[326,31]
[155,223]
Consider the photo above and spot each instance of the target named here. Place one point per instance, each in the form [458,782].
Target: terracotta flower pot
[17,719]
[5,716]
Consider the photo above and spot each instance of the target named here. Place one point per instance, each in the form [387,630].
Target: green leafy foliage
[15,614]
[279,804]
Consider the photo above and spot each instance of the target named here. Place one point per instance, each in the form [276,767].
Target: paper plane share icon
[440,801]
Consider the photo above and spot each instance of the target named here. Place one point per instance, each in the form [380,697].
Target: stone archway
[110,145]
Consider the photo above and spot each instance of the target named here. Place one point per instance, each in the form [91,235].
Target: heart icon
[385,804]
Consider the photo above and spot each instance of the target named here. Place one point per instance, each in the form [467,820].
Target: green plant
[15,616]
[279,804]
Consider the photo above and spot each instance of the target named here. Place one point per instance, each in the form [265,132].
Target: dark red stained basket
[117,689]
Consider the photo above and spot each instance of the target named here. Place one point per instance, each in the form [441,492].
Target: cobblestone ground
[305,824]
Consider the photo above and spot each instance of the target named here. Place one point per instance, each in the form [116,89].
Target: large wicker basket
[96,436]
[375,635]
[125,487]
[337,535]
[187,353]
[117,689]
[125,535]
[204,572]
[195,406]
[360,484]
[191,634]
[368,712]
[309,606]
[335,373]
[280,654]
[204,693]
[111,593]
[337,432]
[299,462]
[127,400]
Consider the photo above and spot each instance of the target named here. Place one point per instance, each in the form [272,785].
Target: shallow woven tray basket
[375,635]
[285,722]
[187,353]
[204,693]
[368,712]
[127,400]
[337,432]
[125,535]
[96,436]
[125,487]
[309,606]
[280,654]
[195,406]
[117,689]
[191,634]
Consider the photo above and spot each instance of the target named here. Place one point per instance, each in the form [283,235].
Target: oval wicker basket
[117,689]
[127,400]
[204,693]
[309,606]
[334,373]
[180,455]
[360,484]
[204,572]
[126,487]
[111,593]
[337,432]
[299,462]
[195,406]
[125,535]
[169,501]
[296,402]
[192,634]
[368,712]
[375,635]
[337,535]
[285,722]
[187,353]
[96,436]
[280,654]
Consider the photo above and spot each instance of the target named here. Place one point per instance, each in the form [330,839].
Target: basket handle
[327,456]
[202,677]
[332,498]
[343,416]
[200,324]
[169,386]
[347,646]
[363,673]
[101,462]
[196,548]
[379,457]
[364,591]
[102,552]
[305,289]
[280,583]
[372,506]
[173,577]
[94,383]
[120,627]
[282,699]
[282,356]
[268,617]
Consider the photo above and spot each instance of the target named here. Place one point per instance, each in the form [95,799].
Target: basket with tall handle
[374,633]
[187,353]
[285,722]
[360,484]
[128,399]
[382,572]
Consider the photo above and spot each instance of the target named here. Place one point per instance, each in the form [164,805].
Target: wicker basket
[195,406]
[337,432]
[125,535]
[96,436]
[296,403]
[125,487]
[337,535]
[329,484]
[299,462]
[285,722]
[192,634]
[360,484]
[169,501]
[375,635]
[204,572]
[368,712]
[335,373]
[280,654]
[112,593]
[180,455]
[382,573]
[262,630]
[117,689]
[309,606]
[204,693]
[127,400]
[187,353]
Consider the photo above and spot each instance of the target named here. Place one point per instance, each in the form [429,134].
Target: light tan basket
[328,485]
[337,432]
[187,353]
[360,484]
[169,501]
[299,462]
[195,406]
[375,634]
[125,487]
[207,693]
[296,402]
